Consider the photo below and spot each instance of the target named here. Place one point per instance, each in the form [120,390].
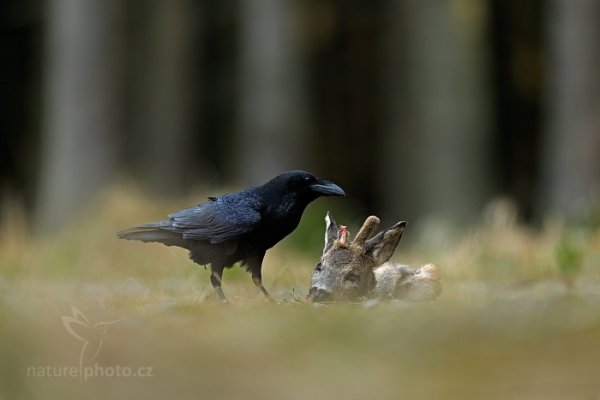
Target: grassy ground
[519,317]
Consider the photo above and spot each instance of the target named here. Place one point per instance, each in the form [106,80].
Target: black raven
[238,226]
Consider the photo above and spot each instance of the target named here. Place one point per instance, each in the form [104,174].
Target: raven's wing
[218,220]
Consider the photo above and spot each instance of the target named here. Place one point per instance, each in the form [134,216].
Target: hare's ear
[368,227]
[331,232]
[382,246]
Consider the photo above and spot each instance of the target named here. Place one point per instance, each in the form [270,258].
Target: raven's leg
[254,266]
[257,279]
[215,279]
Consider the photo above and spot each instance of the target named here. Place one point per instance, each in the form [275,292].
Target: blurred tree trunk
[518,73]
[163,118]
[272,119]
[21,27]
[435,150]
[571,167]
[80,107]
[343,39]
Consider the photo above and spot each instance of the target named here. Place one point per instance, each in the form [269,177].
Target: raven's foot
[221,294]
[258,282]
[215,280]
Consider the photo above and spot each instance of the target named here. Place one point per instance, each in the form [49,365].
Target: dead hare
[359,269]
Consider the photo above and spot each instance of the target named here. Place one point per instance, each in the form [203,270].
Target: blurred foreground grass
[519,316]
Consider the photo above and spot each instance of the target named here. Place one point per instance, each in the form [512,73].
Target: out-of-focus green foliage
[569,257]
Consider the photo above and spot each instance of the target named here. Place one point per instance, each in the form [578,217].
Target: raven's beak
[327,188]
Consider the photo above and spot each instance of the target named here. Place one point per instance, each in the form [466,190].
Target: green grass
[519,316]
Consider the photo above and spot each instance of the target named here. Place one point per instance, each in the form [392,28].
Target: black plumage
[238,227]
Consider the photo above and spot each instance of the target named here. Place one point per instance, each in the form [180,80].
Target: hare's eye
[352,278]
[319,267]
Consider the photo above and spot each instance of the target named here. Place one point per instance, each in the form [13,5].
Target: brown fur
[359,269]
[402,282]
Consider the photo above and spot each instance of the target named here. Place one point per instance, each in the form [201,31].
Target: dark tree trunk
[272,118]
[571,167]
[435,153]
[164,87]
[80,111]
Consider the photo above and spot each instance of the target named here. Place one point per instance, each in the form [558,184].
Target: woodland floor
[519,317]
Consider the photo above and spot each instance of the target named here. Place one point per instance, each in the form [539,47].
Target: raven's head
[299,187]
[309,186]
[287,195]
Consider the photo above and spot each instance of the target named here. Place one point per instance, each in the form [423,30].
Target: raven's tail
[160,231]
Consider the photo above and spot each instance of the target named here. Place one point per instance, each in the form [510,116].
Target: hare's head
[345,271]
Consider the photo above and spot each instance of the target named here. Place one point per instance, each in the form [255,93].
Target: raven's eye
[297,182]
[319,267]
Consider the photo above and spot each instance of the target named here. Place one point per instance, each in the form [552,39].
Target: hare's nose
[318,295]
